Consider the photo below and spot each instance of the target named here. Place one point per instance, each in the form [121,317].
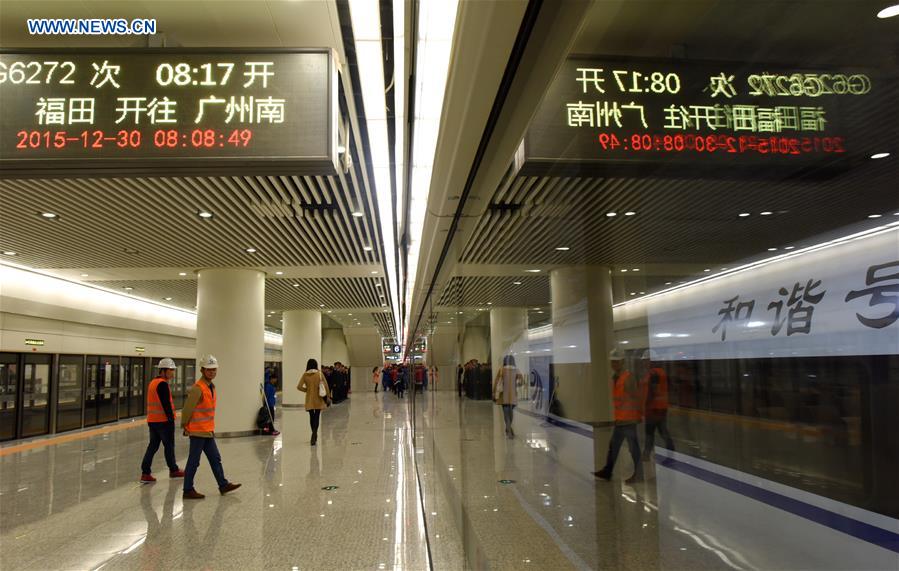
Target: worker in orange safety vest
[655,384]
[198,422]
[160,421]
[628,400]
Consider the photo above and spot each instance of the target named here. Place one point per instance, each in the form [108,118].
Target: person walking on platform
[198,422]
[655,382]
[505,390]
[626,395]
[161,422]
[375,378]
[318,395]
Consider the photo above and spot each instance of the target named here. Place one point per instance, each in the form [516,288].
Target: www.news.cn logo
[91,27]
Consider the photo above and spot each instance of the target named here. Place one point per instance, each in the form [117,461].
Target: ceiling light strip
[436,27]
[365,16]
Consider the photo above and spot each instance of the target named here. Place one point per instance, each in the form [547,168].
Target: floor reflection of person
[626,395]
[655,383]
[505,390]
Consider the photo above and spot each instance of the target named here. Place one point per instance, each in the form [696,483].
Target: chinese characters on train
[190,107]
[792,309]
[617,91]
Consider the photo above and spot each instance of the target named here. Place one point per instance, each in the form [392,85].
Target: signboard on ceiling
[842,299]
[164,111]
[601,112]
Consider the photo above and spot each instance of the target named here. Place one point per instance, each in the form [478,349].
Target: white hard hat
[209,362]
[166,363]
[615,355]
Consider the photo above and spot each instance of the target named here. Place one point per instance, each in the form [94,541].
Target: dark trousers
[619,435]
[206,446]
[507,415]
[657,422]
[160,433]
[314,417]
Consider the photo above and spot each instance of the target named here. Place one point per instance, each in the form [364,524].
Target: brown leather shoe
[193,495]
[230,487]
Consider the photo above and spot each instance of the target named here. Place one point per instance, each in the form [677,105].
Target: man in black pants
[161,421]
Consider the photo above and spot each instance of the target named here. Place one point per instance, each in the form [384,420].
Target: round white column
[231,326]
[302,333]
[474,344]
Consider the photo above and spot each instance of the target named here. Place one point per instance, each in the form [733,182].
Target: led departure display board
[678,112]
[153,109]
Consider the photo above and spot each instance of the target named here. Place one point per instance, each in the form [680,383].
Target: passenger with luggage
[161,422]
[198,422]
[318,395]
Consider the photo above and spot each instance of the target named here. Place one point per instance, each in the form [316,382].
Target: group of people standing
[198,420]
[393,378]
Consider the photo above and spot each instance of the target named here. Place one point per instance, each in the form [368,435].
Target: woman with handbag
[318,395]
[505,390]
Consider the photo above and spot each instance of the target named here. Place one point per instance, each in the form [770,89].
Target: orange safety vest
[155,412]
[628,407]
[203,417]
[659,401]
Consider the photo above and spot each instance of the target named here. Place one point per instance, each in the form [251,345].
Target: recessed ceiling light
[10,253]
[623,270]
[533,271]
[329,311]
[563,248]
[633,293]
[743,214]
[167,298]
[84,275]
[250,250]
[707,270]
[772,249]
[789,247]
[516,283]
[204,214]
[182,273]
[367,248]
[128,288]
[279,273]
[321,305]
[459,312]
[642,292]
[350,314]
[667,283]
[383,305]
[296,285]
[611,214]
[358,214]
[489,303]
[766,213]
[874,215]
[629,213]
[635,270]
[378,284]
[889,12]
[374,272]
[49,215]
[880,155]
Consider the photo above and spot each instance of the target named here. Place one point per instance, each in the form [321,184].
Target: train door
[137,368]
[108,390]
[9,395]
[69,394]
[92,382]
[34,417]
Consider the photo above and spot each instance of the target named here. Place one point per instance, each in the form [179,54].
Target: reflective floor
[481,501]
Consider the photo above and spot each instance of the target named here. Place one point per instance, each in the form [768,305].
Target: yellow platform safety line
[73,437]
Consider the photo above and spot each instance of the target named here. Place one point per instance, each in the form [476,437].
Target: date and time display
[108,106]
[648,110]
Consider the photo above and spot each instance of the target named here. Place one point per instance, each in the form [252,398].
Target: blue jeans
[203,446]
[619,435]
[160,433]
